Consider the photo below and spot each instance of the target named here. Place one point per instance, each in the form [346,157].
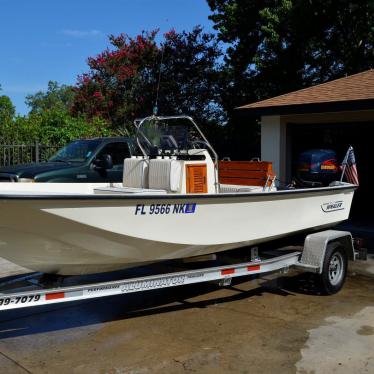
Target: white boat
[170,206]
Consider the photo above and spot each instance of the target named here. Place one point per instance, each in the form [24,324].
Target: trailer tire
[334,269]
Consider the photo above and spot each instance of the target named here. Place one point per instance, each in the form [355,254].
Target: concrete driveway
[267,325]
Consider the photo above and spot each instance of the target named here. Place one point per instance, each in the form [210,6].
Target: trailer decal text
[152,284]
[19,299]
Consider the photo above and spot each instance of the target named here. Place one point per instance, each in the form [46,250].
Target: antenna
[155,108]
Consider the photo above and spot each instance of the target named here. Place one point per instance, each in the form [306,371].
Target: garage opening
[338,137]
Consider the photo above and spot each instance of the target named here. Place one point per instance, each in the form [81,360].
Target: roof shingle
[351,88]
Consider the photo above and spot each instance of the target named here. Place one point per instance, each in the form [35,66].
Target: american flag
[349,167]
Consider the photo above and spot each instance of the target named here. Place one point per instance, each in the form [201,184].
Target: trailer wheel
[334,269]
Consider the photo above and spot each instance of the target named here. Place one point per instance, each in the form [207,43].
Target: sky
[43,40]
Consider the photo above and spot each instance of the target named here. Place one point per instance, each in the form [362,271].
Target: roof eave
[337,106]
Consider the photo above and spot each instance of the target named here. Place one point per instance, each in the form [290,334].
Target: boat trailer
[324,253]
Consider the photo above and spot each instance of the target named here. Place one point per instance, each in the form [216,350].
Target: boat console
[170,174]
[176,158]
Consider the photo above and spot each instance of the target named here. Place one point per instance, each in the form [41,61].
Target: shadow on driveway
[35,320]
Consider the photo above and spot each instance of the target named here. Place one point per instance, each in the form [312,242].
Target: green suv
[86,160]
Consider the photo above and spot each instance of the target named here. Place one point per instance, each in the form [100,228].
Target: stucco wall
[273,143]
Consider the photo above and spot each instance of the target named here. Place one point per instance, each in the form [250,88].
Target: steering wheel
[195,144]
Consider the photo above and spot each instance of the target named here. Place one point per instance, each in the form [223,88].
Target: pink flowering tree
[121,82]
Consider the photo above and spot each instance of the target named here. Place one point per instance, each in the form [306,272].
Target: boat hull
[80,235]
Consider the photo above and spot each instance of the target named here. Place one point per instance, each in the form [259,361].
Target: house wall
[273,144]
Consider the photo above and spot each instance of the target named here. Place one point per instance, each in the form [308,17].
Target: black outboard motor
[316,168]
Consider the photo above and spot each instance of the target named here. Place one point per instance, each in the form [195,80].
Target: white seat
[165,174]
[135,172]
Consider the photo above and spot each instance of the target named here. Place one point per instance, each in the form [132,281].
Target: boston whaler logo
[333,206]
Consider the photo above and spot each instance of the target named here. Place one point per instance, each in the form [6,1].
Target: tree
[276,46]
[56,97]
[7,110]
[189,75]
[121,83]
[50,120]
[55,127]
[112,87]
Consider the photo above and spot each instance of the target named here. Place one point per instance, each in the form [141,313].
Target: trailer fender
[315,245]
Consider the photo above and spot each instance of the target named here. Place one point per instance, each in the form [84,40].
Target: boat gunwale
[117,196]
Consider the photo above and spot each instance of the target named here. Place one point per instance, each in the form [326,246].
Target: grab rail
[153,117]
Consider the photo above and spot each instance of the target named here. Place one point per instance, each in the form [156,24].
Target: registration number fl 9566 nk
[154,209]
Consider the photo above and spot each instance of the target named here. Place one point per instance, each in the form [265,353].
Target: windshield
[76,151]
[160,135]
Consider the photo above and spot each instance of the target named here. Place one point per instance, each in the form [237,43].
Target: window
[118,152]
[76,151]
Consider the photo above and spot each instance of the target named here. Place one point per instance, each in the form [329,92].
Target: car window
[118,151]
[76,151]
